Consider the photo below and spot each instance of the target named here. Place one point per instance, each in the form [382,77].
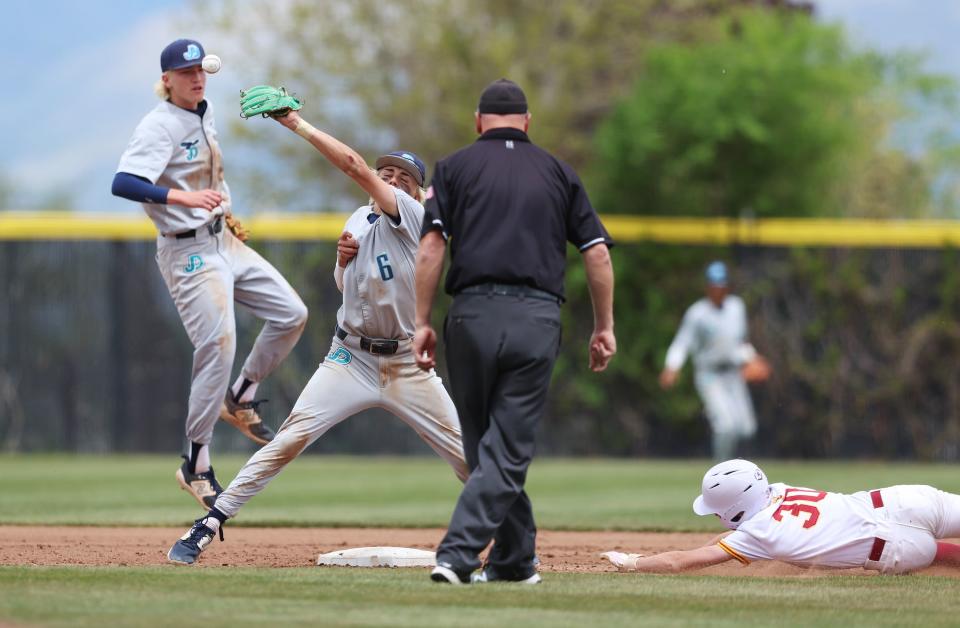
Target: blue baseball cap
[717,274]
[406,161]
[183,53]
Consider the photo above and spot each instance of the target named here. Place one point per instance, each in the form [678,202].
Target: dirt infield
[299,547]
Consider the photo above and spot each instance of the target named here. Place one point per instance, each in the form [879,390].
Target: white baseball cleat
[623,562]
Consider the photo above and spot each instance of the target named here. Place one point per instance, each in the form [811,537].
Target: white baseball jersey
[178,149]
[891,530]
[808,527]
[378,284]
[716,337]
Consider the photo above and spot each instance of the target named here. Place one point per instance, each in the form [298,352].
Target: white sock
[248,393]
[212,522]
[203,460]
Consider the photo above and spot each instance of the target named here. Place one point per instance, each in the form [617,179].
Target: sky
[84,71]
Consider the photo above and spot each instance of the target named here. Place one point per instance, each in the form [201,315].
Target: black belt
[375,346]
[511,290]
[212,228]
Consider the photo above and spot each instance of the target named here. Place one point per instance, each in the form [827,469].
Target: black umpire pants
[500,354]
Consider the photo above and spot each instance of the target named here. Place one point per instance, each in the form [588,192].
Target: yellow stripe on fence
[624,229]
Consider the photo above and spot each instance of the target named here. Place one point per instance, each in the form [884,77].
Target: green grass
[409,492]
[340,597]
[321,490]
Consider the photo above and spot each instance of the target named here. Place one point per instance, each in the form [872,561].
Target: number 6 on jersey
[383,262]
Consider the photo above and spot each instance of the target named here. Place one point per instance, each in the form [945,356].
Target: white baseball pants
[913,517]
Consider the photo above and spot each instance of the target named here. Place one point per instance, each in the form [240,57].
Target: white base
[379,557]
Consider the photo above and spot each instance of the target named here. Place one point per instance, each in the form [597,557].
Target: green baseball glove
[267,101]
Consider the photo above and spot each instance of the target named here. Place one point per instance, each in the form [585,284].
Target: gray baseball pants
[729,409]
[500,353]
[206,275]
[349,380]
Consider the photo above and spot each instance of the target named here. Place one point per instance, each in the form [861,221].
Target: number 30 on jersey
[799,502]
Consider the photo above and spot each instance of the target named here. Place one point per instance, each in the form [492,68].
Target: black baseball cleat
[188,548]
[489,574]
[445,574]
[203,486]
[245,416]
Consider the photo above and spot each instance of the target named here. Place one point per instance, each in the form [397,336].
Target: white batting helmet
[734,490]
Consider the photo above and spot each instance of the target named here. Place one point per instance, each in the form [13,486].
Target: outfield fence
[859,319]
[861,233]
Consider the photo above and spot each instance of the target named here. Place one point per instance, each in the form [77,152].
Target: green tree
[408,74]
[772,114]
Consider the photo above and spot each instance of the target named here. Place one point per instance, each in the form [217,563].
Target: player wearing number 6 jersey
[890,530]
[370,362]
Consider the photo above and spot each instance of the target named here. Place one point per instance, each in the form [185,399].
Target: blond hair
[160,89]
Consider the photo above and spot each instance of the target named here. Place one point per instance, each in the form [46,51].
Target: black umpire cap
[502,97]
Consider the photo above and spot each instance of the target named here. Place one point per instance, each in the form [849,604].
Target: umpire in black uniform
[507,208]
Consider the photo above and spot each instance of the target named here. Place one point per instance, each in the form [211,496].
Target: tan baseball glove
[236,228]
[756,370]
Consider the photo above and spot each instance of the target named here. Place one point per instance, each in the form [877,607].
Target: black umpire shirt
[507,209]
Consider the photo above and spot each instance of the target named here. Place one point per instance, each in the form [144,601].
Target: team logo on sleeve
[194,263]
[191,148]
[340,356]
[193,52]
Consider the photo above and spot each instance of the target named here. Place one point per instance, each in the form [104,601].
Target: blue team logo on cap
[193,52]
[340,356]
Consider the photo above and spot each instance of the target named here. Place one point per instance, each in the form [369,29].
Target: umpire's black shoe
[489,574]
[245,416]
[446,574]
[188,548]
[203,486]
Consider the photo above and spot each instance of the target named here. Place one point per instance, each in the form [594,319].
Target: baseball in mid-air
[211,64]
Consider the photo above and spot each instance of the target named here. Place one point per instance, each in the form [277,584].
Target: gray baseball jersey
[378,288]
[210,270]
[176,148]
[717,339]
[378,302]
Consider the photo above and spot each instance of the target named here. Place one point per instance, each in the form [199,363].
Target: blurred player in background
[371,362]
[714,332]
[890,530]
[174,167]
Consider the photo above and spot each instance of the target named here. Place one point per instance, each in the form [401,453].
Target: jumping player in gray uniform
[371,361]
[173,165]
[714,331]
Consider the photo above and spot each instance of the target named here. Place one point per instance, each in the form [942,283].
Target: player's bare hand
[206,199]
[425,347]
[347,249]
[291,120]
[668,377]
[603,345]
[623,562]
